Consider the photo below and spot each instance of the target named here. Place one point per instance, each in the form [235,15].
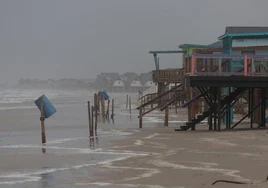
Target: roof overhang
[196,46]
[234,35]
[166,52]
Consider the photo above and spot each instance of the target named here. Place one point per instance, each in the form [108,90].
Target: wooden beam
[166,52]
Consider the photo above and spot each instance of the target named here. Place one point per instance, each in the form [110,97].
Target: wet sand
[122,155]
[188,159]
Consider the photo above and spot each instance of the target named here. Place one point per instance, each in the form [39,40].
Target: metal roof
[245,32]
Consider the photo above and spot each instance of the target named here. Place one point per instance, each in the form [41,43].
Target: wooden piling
[166,116]
[108,109]
[152,104]
[96,110]
[129,99]
[89,120]
[140,118]
[98,104]
[219,108]
[42,119]
[112,116]
[103,106]
[92,119]
[127,102]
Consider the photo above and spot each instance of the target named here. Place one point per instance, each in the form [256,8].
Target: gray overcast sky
[80,38]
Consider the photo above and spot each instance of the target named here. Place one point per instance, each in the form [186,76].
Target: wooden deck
[168,75]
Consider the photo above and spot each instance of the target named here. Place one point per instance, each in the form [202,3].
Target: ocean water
[69,155]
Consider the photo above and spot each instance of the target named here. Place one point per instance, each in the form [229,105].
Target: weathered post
[108,109]
[129,99]
[245,65]
[92,119]
[89,120]
[140,118]
[166,116]
[42,119]
[98,104]
[127,102]
[219,108]
[96,110]
[103,106]
[112,115]
[151,98]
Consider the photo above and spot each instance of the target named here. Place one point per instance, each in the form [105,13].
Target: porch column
[245,65]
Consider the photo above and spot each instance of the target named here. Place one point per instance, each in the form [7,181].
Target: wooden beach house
[216,76]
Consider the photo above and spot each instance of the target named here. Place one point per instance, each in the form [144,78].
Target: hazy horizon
[79,39]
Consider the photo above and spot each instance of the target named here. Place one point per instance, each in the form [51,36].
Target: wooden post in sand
[103,106]
[152,104]
[140,118]
[42,119]
[127,102]
[112,115]
[166,116]
[96,110]
[129,99]
[108,110]
[98,104]
[89,120]
[92,119]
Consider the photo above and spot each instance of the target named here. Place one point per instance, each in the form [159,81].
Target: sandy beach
[188,159]
[122,155]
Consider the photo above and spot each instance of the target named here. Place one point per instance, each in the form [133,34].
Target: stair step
[185,128]
[189,123]
[206,113]
[199,116]
[179,129]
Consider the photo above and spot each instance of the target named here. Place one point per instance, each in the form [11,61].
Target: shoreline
[176,159]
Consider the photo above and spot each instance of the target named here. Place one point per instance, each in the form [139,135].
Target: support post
[127,102]
[108,110]
[98,103]
[176,103]
[129,99]
[251,91]
[215,108]
[89,120]
[112,116]
[219,108]
[263,109]
[96,111]
[166,116]
[252,66]
[42,119]
[219,68]
[92,119]
[156,61]
[245,65]
[103,106]
[140,118]
[210,118]
[192,65]
[151,98]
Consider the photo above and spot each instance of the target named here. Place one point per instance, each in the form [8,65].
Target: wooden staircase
[166,95]
[227,100]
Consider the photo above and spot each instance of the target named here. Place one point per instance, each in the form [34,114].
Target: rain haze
[80,73]
[79,39]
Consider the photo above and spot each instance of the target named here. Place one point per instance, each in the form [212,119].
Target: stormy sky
[80,38]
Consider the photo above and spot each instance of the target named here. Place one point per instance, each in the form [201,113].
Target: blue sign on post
[48,108]
[105,95]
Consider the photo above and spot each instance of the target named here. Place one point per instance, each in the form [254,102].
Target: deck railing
[236,65]
[168,75]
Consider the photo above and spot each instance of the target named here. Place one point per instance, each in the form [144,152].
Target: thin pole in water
[42,119]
